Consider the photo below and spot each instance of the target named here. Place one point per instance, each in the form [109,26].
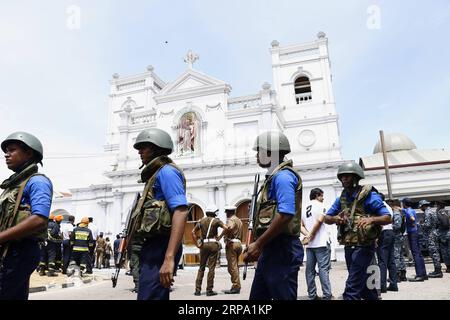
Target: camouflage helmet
[26,138]
[350,167]
[423,203]
[156,136]
[272,141]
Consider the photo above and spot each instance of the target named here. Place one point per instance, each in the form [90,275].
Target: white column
[123,131]
[102,223]
[210,195]
[117,213]
[221,202]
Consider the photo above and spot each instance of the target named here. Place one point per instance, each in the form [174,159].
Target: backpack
[443,219]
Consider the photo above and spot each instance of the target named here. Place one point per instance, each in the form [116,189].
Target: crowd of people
[371,230]
[71,246]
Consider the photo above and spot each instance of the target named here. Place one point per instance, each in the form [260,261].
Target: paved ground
[436,289]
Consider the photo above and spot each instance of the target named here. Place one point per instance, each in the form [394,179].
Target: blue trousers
[277,271]
[150,261]
[386,259]
[321,257]
[20,262]
[419,264]
[358,260]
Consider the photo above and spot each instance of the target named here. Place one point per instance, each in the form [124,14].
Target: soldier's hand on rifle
[341,218]
[166,273]
[363,222]
[252,253]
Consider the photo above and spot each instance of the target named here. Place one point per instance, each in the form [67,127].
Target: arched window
[191,254]
[195,214]
[302,88]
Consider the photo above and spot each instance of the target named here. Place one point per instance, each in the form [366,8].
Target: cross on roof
[191,57]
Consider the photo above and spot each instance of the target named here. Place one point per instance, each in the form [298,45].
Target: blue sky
[55,80]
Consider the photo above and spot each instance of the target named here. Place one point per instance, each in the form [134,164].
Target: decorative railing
[303,97]
[244,102]
[143,117]
[130,85]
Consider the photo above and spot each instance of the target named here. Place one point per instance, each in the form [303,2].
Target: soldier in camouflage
[430,230]
[399,228]
[444,233]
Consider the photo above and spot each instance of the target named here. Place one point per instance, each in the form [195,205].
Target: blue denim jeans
[321,257]
[386,259]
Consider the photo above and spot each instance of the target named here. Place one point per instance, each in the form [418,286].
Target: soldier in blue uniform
[359,212]
[160,216]
[25,207]
[413,239]
[277,223]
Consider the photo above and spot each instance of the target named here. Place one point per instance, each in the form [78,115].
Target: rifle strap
[13,216]
[209,228]
[142,199]
[355,202]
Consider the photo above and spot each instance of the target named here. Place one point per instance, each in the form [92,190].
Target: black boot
[403,275]
[437,273]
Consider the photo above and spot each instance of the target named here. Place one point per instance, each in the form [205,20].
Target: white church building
[213,133]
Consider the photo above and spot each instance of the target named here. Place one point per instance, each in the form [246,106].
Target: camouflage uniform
[444,242]
[399,240]
[430,231]
[135,252]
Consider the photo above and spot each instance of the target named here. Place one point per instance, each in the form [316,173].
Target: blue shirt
[38,195]
[116,245]
[169,187]
[282,190]
[411,225]
[373,204]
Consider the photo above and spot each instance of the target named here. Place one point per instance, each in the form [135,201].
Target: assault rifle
[251,214]
[126,236]
[344,228]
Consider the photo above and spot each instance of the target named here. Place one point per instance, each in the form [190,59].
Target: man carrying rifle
[277,222]
[359,212]
[24,211]
[160,216]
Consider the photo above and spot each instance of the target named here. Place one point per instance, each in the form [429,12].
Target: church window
[302,88]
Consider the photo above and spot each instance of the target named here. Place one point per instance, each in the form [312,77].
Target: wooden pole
[386,165]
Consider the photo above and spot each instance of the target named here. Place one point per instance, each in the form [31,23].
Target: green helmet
[156,136]
[350,167]
[27,139]
[272,141]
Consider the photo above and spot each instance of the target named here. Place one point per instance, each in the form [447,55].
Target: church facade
[213,133]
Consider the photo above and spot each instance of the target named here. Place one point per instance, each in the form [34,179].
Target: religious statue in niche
[187,133]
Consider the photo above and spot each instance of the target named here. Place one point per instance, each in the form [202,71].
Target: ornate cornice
[192,93]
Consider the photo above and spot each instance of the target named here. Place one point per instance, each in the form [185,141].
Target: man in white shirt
[66,229]
[385,255]
[318,246]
